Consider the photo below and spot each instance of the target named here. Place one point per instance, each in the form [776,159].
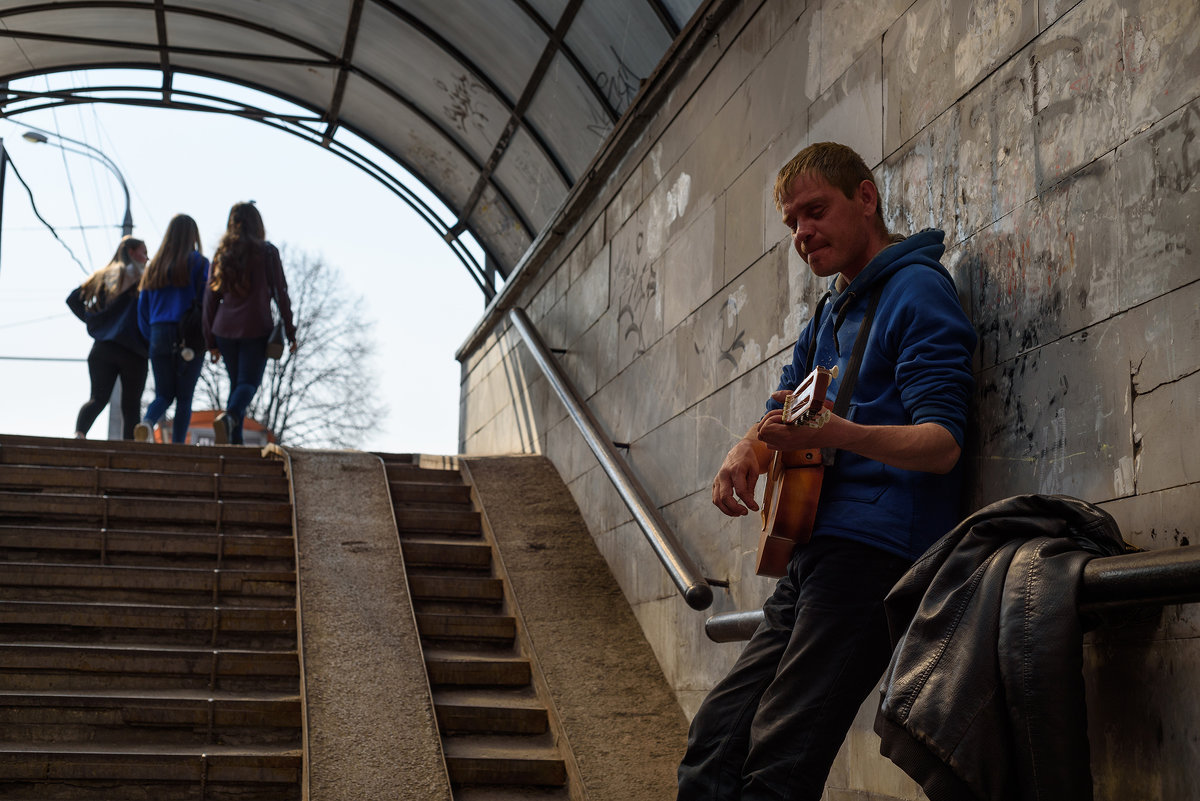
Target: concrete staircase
[496,731]
[147,623]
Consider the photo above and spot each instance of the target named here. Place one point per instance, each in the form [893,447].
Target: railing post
[683,571]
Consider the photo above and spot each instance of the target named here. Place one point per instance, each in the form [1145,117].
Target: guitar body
[789,508]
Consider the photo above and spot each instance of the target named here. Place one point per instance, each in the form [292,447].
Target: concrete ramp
[620,720]
[370,725]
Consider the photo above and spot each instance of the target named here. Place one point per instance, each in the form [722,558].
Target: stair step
[425,587]
[451,668]
[274,768]
[113,584]
[437,520]
[504,760]
[446,553]
[130,546]
[56,506]
[222,626]
[43,666]
[147,624]
[424,492]
[441,626]
[498,793]
[175,716]
[414,474]
[192,460]
[98,481]
[493,711]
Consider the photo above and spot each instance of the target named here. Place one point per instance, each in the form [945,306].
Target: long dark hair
[244,232]
[169,267]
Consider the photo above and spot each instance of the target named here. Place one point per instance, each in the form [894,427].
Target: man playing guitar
[772,727]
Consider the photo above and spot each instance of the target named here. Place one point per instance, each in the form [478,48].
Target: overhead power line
[38,214]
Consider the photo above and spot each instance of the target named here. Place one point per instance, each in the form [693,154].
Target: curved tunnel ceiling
[497,106]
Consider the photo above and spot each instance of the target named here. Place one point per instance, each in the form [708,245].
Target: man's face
[830,231]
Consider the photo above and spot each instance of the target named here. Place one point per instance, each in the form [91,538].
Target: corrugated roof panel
[39,56]
[501,232]
[308,85]
[549,10]
[567,114]
[321,22]
[395,129]
[528,177]
[620,43]
[499,37]
[189,30]
[132,25]
[393,51]
[682,11]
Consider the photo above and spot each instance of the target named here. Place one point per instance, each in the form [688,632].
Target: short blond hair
[837,164]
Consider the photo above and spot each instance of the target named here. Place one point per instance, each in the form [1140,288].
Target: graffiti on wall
[638,297]
[461,109]
[618,87]
[729,341]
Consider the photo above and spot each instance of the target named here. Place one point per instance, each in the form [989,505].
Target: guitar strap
[846,385]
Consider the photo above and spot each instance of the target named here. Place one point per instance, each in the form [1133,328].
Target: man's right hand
[733,488]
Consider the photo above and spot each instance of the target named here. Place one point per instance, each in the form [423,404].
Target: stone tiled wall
[1055,143]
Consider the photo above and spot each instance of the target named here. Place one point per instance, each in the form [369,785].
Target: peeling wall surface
[1056,144]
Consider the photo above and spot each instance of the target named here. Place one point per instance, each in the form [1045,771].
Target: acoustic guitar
[794,479]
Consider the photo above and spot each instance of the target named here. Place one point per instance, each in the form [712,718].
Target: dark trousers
[245,361]
[107,361]
[772,727]
[174,379]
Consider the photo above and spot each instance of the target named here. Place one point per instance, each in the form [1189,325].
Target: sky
[419,296]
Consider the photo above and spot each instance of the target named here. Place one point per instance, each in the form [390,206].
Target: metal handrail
[683,571]
[1146,578]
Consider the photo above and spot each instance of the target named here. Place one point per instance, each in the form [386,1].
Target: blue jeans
[174,380]
[245,361]
[772,727]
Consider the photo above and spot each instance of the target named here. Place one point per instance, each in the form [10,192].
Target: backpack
[190,334]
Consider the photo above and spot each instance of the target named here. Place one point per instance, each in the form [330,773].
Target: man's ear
[868,195]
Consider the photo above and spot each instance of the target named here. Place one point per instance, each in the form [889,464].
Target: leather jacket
[984,696]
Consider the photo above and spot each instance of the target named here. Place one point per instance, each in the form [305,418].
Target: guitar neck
[808,399]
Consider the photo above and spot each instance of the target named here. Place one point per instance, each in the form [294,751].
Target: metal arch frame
[323,59]
[342,63]
[287,123]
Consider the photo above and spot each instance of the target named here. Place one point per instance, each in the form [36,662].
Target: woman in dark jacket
[107,302]
[246,275]
[173,280]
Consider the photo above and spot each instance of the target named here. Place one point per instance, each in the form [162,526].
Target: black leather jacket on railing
[984,697]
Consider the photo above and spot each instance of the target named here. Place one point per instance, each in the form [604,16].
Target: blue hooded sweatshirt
[916,369]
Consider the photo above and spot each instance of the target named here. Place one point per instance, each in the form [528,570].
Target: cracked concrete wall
[1055,142]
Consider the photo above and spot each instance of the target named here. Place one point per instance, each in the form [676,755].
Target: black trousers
[107,361]
[773,726]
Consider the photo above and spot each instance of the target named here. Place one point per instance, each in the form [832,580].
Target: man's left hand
[781,436]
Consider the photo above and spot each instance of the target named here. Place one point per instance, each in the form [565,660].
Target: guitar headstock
[808,399]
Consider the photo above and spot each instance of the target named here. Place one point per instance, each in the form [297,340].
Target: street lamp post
[39,136]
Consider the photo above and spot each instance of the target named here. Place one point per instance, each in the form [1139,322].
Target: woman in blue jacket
[107,302]
[173,280]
